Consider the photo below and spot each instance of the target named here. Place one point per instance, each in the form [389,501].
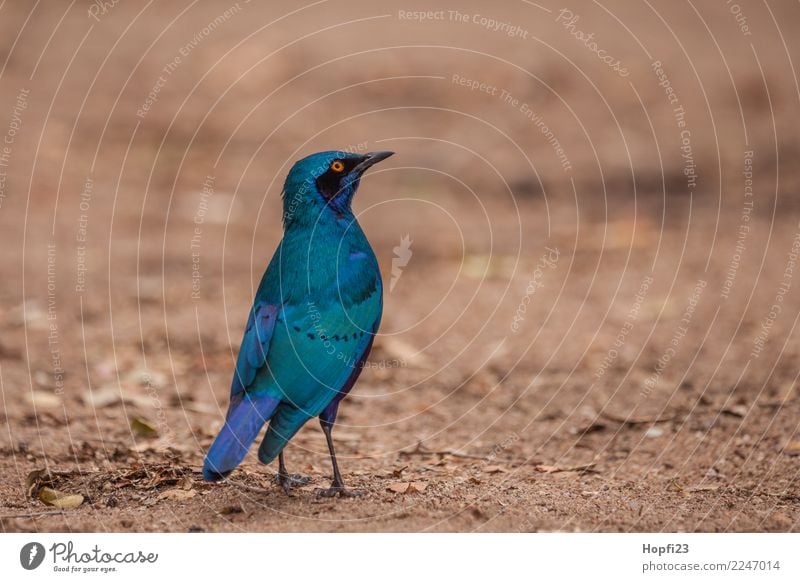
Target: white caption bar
[356,557]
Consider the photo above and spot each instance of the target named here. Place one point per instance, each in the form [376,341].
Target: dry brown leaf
[494,469]
[143,427]
[60,499]
[409,487]
[792,448]
[398,487]
[177,494]
[418,486]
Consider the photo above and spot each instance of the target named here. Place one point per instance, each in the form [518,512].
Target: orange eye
[337,166]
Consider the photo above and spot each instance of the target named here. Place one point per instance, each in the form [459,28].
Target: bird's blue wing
[247,411]
[255,345]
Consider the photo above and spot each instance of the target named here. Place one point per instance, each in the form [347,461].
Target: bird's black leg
[337,486]
[286,480]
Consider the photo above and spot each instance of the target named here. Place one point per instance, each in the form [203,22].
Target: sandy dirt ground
[597,208]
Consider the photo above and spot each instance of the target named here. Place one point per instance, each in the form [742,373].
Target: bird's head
[325,181]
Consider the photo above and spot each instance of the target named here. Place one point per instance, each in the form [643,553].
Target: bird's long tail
[246,415]
[283,426]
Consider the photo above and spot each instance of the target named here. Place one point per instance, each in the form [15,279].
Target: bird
[312,323]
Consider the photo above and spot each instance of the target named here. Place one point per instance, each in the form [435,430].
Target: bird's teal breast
[313,350]
[329,288]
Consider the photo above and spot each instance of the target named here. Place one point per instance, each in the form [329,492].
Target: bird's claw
[291,480]
[341,491]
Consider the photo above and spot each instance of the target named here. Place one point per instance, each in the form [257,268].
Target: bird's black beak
[370,160]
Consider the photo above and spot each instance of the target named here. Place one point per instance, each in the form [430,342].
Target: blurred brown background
[596,326]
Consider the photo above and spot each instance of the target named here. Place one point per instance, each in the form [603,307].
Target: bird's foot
[291,480]
[340,490]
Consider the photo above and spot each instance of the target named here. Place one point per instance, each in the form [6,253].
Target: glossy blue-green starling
[312,323]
